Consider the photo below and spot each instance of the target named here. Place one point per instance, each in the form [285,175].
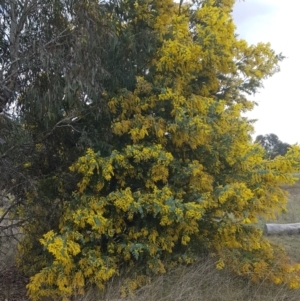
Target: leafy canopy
[272,145]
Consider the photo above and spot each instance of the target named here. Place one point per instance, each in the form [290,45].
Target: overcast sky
[275,21]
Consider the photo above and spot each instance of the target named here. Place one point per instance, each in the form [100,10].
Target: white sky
[275,21]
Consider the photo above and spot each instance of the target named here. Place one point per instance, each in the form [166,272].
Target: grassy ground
[200,281]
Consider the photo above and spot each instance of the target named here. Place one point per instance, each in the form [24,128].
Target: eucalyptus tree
[60,61]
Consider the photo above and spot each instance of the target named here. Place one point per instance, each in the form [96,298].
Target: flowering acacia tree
[183,169]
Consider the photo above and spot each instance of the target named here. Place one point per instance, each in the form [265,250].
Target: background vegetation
[272,145]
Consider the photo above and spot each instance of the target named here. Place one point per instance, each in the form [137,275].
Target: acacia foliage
[182,169]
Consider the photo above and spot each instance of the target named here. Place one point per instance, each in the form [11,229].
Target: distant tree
[272,145]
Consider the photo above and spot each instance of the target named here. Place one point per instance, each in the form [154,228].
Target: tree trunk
[283,229]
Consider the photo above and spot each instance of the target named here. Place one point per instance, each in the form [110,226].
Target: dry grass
[201,282]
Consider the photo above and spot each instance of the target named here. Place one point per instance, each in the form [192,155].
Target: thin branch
[64,122]
[9,150]
[17,224]
[6,212]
